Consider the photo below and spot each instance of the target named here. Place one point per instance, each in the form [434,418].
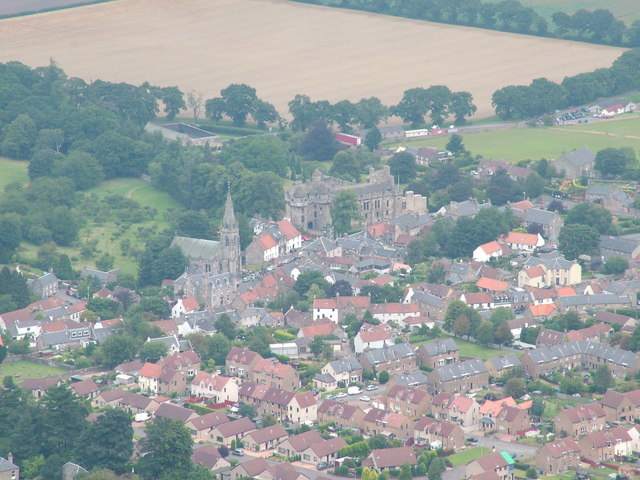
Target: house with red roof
[371,337]
[185,305]
[395,312]
[215,388]
[262,249]
[533,277]
[524,242]
[275,374]
[487,251]
[240,362]
[335,309]
[438,434]
[159,379]
[487,284]
[292,236]
[558,456]
[321,328]
[541,312]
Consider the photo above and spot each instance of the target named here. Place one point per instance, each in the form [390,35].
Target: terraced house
[581,420]
[621,407]
[438,353]
[459,377]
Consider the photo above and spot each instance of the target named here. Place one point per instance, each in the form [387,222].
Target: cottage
[226,432]
[209,457]
[387,458]
[202,426]
[487,251]
[296,444]
[524,242]
[323,451]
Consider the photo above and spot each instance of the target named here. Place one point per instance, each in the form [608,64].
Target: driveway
[521,449]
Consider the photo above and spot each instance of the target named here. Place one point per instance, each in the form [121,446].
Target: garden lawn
[469,349]
[22,370]
[518,144]
[12,171]
[466,456]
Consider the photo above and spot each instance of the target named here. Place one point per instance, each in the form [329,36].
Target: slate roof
[440,347]
[197,248]
[598,299]
[579,157]
[427,299]
[6,465]
[411,379]
[458,370]
[542,217]
[506,361]
[268,434]
[613,355]
[617,244]
[345,365]
[388,353]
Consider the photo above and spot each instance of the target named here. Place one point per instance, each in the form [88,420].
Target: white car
[364,398]
[341,395]
[371,387]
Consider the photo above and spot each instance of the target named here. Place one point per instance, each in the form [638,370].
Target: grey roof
[197,248]
[617,244]
[411,220]
[505,361]
[370,188]
[101,334]
[600,190]
[324,378]
[388,353]
[99,274]
[200,320]
[613,355]
[459,268]
[542,217]
[438,347]
[57,338]
[373,263]
[6,465]
[427,299]
[346,365]
[458,370]
[411,379]
[468,208]
[170,341]
[579,157]
[320,245]
[553,261]
[596,300]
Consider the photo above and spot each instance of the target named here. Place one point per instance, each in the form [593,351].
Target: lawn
[619,127]
[12,171]
[466,456]
[468,349]
[23,369]
[534,143]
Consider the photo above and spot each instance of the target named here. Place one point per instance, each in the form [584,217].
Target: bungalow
[500,463]
[296,444]
[224,433]
[323,451]
[175,412]
[487,251]
[388,458]
[264,439]
[558,456]
[86,389]
[135,403]
[39,386]
[250,469]
[438,434]
[209,457]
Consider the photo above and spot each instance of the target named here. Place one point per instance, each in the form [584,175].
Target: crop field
[625,10]
[536,143]
[283,49]
[12,171]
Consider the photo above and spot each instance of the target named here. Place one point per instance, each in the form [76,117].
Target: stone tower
[230,239]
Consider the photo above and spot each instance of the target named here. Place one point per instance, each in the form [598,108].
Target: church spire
[229,220]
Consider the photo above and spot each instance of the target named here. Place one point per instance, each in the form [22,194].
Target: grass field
[22,370]
[535,143]
[626,10]
[629,127]
[283,49]
[12,171]
[464,457]
[469,349]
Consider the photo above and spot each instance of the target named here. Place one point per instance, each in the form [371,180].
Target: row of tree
[544,96]
[597,26]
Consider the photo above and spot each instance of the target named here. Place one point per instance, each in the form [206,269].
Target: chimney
[10,457]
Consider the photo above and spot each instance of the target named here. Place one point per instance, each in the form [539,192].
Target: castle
[308,205]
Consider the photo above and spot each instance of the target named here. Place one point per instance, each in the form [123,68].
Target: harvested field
[282,49]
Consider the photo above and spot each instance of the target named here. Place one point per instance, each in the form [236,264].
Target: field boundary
[64,5]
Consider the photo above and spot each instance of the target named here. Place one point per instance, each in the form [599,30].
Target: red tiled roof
[150,370]
[566,291]
[266,241]
[341,302]
[375,333]
[491,247]
[462,404]
[287,229]
[321,328]
[491,284]
[190,304]
[493,406]
[536,272]
[389,308]
[473,298]
[519,238]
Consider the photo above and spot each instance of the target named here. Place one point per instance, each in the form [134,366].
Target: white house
[371,337]
[184,305]
[291,234]
[487,251]
[394,312]
[217,388]
[525,242]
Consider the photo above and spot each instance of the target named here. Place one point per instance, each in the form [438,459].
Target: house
[185,305]
[438,353]
[321,328]
[511,420]
[323,451]
[135,403]
[524,242]
[550,222]
[618,247]
[388,458]
[240,362]
[458,377]
[502,364]
[187,361]
[275,374]
[407,400]
[346,370]
[216,388]
[486,284]
[44,286]
[282,471]
[394,312]
[224,433]
[490,410]
[335,309]
[500,463]
[201,427]
[264,439]
[296,444]
[262,249]
[533,277]
[621,407]
[86,389]
[209,457]
[456,409]
[175,412]
[8,470]
[393,358]
[576,164]
[487,251]
[615,318]
[108,398]
[250,469]
[558,456]
[547,338]
[610,197]
[284,405]
[438,434]
[371,337]
[343,415]
[605,445]
[39,386]
[581,420]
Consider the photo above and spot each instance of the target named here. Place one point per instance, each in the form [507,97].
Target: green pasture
[621,127]
[21,370]
[518,144]
[466,456]
[12,171]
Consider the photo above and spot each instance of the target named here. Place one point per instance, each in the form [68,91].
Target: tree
[226,326]
[239,101]
[577,239]
[534,185]
[319,347]
[370,112]
[461,326]
[167,450]
[436,467]
[383,377]
[612,162]
[438,102]
[413,106]
[515,387]
[319,143]
[461,105]
[501,188]
[503,335]
[63,422]
[484,334]
[345,166]
[194,101]
[173,100]
[108,442]
[19,137]
[405,472]
[344,113]
[308,278]
[403,167]
[373,138]
[615,266]
[340,287]
[455,146]
[571,386]
[537,407]
[344,210]
[264,112]
[602,379]
[153,351]
[42,163]
[594,216]
[454,310]
[50,139]
[369,474]
[247,411]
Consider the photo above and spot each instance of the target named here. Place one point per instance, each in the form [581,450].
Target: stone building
[308,205]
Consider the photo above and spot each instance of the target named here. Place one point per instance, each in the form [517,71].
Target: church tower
[230,239]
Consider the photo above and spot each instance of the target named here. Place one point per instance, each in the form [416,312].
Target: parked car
[472,440]
[365,398]
[238,452]
[341,395]
[322,465]
[371,387]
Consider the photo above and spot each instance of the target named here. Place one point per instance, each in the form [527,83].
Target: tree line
[597,26]
[543,96]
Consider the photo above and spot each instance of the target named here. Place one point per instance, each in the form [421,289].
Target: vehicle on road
[365,398]
[322,465]
[238,452]
[472,440]
[354,390]
[341,395]
[371,387]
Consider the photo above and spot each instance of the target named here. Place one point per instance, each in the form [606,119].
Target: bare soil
[282,49]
